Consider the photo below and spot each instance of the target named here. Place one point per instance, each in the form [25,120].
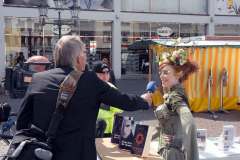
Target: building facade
[108,27]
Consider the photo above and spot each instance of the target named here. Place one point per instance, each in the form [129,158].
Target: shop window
[190,30]
[23,44]
[107,37]
[165,6]
[125,35]
[227,30]
[193,6]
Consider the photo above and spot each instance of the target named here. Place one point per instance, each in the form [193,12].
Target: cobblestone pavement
[214,127]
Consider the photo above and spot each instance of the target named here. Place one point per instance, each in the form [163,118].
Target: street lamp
[59,7]
[29,28]
[74,12]
[43,9]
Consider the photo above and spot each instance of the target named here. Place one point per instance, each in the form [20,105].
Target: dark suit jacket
[76,135]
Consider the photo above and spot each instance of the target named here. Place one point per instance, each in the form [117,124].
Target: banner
[25,3]
[96,4]
[84,4]
[227,7]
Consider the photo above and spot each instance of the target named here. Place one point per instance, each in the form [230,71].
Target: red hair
[187,68]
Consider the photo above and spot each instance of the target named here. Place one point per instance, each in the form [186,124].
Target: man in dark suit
[75,138]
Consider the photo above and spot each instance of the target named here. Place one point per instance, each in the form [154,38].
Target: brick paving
[214,127]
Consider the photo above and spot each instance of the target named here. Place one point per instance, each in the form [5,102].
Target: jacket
[75,139]
[107,114]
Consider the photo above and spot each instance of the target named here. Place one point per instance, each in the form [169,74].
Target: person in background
[22,75]
[106,113]
[20,59]
[178,129]
[111,73]
[37,63]
[75,137]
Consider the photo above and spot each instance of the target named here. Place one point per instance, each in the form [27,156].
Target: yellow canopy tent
[214,55]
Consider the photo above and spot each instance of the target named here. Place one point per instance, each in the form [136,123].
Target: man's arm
[24,117]
[113,97]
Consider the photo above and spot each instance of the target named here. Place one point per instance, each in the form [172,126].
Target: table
[213,151]
[110,151]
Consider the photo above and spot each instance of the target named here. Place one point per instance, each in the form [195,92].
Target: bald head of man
[37,63]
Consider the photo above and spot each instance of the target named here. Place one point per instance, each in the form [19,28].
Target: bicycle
[7,131]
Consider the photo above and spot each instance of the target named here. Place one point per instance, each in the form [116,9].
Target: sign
[164,31]
[65,29]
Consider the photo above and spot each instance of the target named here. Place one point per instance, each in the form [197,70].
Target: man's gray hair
[67,50]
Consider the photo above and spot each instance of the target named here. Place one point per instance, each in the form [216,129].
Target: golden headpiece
[178,57]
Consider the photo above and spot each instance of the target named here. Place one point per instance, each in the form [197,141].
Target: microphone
[151,87]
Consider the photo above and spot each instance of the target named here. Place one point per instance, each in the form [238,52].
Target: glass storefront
[227,30]
[28,36]
[135,60]
[23,35]
[170,6]
[97,36]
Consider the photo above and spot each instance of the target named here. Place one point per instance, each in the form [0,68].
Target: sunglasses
[105,72]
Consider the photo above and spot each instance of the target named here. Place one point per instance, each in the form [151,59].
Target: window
[193,6]
[227,30]
[166,6]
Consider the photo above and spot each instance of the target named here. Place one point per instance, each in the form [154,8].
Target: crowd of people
[91,109]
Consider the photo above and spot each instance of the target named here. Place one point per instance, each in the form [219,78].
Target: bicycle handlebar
[5,136]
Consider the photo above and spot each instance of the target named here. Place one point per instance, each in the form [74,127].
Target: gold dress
[176,121]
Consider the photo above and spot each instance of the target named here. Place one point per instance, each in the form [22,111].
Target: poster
[25,3]
[96,4]
[83,4]
[227,7]
[127,132]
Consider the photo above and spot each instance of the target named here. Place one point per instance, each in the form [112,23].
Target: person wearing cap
[112,78]
[22,74]
[20,60]
[106,113]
